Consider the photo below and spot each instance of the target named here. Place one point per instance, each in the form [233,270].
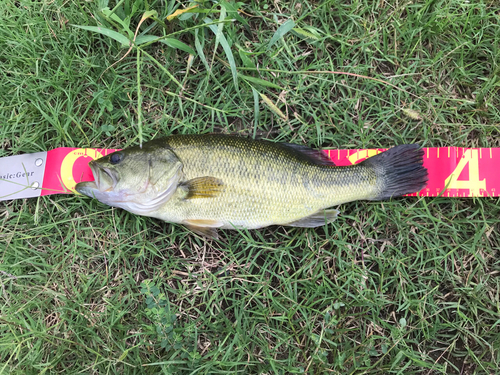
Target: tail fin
[399,170]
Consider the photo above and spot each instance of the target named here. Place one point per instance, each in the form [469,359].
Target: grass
[405,286]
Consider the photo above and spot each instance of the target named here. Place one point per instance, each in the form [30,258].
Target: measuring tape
[453,171]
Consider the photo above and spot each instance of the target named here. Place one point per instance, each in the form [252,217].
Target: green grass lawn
[408,286]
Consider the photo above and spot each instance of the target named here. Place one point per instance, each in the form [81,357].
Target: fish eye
[116,158]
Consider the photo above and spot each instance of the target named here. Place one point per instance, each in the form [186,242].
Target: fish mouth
[104,181]
[86,188]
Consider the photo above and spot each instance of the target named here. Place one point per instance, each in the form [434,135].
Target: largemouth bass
[217,181]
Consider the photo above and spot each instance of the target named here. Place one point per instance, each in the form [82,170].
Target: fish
[214,181]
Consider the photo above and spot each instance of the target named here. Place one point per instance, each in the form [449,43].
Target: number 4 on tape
[470,158]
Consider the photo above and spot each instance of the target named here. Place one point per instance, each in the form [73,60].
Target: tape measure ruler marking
[466,172]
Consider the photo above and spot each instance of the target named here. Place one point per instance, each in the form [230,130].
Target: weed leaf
[227,50]
[282,30]
[199,48]
[141,39]
[114,17]
[245,60]
[260,81]
[303,33]
[109,33]
[149,13]
[174,43]
[178,12]
[256,110]
[232,10]
[220,26]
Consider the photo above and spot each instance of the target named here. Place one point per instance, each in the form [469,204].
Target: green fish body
[217,181]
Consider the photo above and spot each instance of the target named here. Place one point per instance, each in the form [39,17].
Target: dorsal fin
[313,156]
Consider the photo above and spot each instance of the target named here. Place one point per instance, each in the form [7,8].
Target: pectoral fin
[205,228]
[316,220]
[203,187]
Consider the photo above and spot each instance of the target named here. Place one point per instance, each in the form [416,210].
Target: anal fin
[316,220]
[205,228]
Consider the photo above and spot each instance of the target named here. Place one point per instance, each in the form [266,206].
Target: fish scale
[231,182]
[265,183]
